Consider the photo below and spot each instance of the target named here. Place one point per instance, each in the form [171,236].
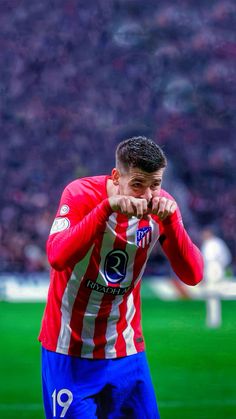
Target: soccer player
[217,257]
[93,352]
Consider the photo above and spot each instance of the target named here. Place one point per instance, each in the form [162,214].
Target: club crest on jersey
[143,236]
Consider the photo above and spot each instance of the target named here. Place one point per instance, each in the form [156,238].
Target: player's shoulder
[166,194]
[87,185]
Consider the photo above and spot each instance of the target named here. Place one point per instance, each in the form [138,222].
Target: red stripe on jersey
[82,300]
[52,314]
[106,304]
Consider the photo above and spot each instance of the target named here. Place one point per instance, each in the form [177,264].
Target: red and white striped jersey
[98,258]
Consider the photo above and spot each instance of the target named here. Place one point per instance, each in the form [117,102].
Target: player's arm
[75,229]
[184,256]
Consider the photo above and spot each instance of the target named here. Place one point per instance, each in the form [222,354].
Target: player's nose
[147,194]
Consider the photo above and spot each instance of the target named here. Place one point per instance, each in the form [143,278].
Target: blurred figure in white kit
[217,258]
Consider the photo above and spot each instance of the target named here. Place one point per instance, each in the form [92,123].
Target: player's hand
[162,207]
[129,206]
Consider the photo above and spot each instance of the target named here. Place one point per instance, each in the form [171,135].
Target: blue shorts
[79,388]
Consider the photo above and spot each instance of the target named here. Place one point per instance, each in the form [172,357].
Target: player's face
[138,183]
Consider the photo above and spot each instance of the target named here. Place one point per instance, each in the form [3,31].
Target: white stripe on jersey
[68,300]
[128,333]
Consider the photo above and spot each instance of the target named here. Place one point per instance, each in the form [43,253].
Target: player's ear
[115,175]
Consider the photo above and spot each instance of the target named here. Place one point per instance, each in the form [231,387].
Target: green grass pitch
[193,368]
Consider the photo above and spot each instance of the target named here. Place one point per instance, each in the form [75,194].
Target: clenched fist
[128,205]
[162,207]
[140,208]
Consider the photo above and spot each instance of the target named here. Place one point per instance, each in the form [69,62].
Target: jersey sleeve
[184,256]
[75,228]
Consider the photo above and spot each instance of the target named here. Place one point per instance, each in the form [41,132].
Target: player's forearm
[184,256]
[70,246]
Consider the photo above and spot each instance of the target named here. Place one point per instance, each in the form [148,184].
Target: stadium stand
[76,77]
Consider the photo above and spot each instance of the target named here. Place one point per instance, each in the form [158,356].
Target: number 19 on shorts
[63,398]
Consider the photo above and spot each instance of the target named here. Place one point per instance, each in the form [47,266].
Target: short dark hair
[140,152]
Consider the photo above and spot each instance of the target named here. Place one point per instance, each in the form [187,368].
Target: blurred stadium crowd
[78,76]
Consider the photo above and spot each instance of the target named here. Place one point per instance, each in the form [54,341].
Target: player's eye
[155,186]
[136,185]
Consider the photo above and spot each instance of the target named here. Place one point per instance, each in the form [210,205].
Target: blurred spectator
[215,251]
[217,258]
